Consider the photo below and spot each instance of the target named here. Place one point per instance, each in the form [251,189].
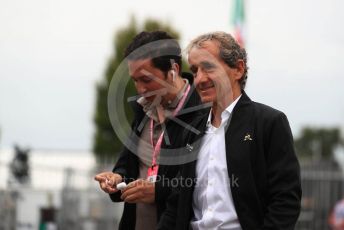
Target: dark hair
[229,48]
[162,48]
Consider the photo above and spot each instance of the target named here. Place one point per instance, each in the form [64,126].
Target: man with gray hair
[246,174]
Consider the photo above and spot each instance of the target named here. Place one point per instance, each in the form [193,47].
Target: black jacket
[267,192]
[128,164]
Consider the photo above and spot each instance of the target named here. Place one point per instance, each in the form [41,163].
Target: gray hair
[230,50]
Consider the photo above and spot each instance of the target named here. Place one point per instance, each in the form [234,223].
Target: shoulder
[248,108]
[266,112]
[270,121]
[262,116]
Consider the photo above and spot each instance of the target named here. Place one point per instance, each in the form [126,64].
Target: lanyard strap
[157,147]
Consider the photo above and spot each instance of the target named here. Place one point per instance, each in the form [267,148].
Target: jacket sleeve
[122,167]
[283,175]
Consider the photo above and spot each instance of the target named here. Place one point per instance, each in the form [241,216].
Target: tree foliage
[318,143]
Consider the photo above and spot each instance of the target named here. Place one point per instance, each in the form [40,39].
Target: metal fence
[77,202]
[91,209]
[322,187]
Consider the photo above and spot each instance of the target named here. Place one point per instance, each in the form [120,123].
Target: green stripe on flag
[238,12]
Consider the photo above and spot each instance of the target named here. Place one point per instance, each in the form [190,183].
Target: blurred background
[58,57]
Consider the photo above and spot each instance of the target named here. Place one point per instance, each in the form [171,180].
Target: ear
[173,74]
[174,71]
[239,70]
[175,68]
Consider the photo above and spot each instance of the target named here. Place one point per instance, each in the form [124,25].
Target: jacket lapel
[239,139]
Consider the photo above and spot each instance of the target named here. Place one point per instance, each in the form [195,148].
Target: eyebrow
[204,64]
[207,65]
[137,78]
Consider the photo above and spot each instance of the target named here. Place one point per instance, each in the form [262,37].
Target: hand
[139,191]
[108,181]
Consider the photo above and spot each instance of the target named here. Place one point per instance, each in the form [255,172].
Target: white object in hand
[121,186]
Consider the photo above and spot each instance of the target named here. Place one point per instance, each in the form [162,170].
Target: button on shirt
[212,198]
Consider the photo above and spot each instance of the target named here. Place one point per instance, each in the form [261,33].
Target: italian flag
[238,21]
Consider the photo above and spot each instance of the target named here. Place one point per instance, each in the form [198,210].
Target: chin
[207,97]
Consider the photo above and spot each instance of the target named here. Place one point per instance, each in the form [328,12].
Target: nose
[201,77]
[140,88]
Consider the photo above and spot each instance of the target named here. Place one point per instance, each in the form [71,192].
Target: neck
[216,116]
[220,105]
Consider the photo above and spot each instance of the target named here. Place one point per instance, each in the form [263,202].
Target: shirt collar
[151,111]
[230,108]
[226,113]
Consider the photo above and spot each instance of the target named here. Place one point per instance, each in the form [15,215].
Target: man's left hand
[139,191]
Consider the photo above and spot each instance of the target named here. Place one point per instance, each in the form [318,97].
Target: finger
[114,182]
[111,190]
[130,186]
[133,198]
[107,188]
[127,192]
[114,178]
[110,182]
[136,183]
[100,178]
[103,186]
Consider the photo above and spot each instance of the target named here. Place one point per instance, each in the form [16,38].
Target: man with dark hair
[154,64]
[162,53]
[246,175]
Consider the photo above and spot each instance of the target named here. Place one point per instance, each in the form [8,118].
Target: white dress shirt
[212,198]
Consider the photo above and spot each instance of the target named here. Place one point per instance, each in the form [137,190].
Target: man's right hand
[108,181]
